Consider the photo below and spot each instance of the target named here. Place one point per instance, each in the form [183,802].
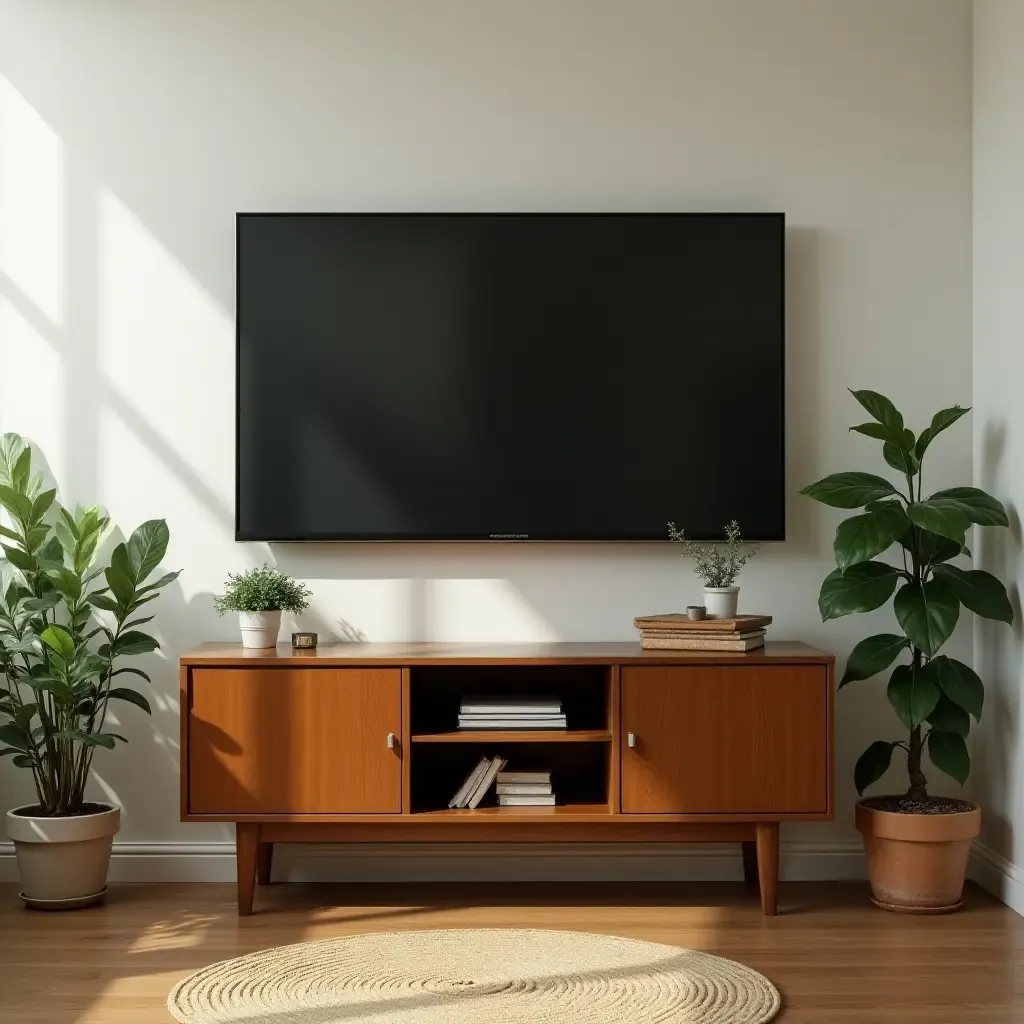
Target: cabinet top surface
[492,653]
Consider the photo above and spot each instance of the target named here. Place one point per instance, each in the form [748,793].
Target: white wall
[999,419]
[131,133]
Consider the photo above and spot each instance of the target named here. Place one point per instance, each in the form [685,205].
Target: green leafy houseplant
[934,696]
[718,565]
[262,590]
[60,657]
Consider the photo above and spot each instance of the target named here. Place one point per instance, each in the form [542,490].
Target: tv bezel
[338,537]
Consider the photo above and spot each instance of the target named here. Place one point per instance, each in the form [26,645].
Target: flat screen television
[505,376]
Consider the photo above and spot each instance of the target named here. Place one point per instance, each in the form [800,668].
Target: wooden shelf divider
[515,736]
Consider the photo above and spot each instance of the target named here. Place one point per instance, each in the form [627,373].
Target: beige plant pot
[259,629]
[721,602]
[917,862]
[63,861]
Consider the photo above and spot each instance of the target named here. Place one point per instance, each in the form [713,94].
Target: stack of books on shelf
[525,789]
[476,784]
[675,632]
[496,712]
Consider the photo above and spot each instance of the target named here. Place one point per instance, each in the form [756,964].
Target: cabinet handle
[631,739]
[391,741]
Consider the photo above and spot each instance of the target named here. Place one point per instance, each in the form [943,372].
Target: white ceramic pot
[721,602]
[260,629]
[63,860]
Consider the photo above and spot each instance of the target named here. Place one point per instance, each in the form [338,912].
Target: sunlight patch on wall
[31,388]
[31,204]
[484,611]
[166,348]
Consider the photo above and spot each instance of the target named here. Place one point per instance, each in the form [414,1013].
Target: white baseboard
[999,876]
[439,862]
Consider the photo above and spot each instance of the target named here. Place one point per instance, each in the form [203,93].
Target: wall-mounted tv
[508,376]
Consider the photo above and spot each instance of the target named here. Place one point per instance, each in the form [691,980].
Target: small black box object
[303,640]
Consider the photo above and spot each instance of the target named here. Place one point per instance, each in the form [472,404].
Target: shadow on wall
[998,657]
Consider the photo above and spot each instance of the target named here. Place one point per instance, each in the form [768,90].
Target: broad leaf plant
[67,624]
[934,696]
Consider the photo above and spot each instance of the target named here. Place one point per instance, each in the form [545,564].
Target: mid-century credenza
[358,743]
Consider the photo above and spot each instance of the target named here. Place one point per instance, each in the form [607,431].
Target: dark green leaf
[14,736]
[132,696]
[58,639]
[950,717]
[22,761]
[24,714]
[849,490]
[122,587]
[942,516]
[44,603]
[132,671]
[162,582]
[927,614]
[104,601]
[942,419]
[134,642]
[862,588]
[119,561]
[931,547]
[875,430]
[873,655]
[948,752]
[880,408]
[913,695]
[20,559]
[860,538]
[42,505]
[872,764]
[960,683]
[147,547]
[982,508]
[900,458]
[978,590]
[139,622]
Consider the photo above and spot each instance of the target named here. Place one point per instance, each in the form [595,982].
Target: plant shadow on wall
[933,695]
[65,628]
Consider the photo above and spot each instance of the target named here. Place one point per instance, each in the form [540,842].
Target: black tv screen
[509,376]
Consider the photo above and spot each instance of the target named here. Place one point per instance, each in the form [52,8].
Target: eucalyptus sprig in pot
[917,844]
[259,596]
[67,627]
[718,565]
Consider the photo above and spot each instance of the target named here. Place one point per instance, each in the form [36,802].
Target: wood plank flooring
[835,958]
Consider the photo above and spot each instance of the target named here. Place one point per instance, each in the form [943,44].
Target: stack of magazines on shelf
[498,712]
[525,789]
[476,784]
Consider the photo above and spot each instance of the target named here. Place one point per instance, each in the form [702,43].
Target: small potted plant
[718,565]
[61,662]
[259,596]
[917,844]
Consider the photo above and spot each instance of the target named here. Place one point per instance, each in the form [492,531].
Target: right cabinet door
[725,739]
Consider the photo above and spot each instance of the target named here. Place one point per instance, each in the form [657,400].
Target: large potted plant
[917,844]
[67,625]
[259,596]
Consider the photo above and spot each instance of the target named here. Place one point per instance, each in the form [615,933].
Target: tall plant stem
[918,783]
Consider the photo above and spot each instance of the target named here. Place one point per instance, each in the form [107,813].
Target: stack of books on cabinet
[498,712]
[525,789]
[674,631]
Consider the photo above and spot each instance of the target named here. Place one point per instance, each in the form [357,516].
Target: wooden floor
[834,957]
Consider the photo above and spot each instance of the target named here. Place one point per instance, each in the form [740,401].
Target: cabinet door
[300,741]
[725,739]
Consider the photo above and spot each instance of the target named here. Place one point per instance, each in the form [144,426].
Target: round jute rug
[486,976]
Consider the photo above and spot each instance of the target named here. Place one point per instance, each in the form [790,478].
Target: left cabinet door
[294,741]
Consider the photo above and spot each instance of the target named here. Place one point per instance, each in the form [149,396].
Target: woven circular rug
[478,976]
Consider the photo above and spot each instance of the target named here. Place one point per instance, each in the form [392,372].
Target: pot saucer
[73,903]
[896,908]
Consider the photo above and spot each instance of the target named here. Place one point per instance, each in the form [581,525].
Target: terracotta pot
[917,862]
[63,861]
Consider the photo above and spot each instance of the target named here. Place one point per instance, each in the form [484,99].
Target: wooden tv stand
[358,743]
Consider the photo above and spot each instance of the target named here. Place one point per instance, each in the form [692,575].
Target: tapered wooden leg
[264,862]
[247,838]
[749,862]
[768,865]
